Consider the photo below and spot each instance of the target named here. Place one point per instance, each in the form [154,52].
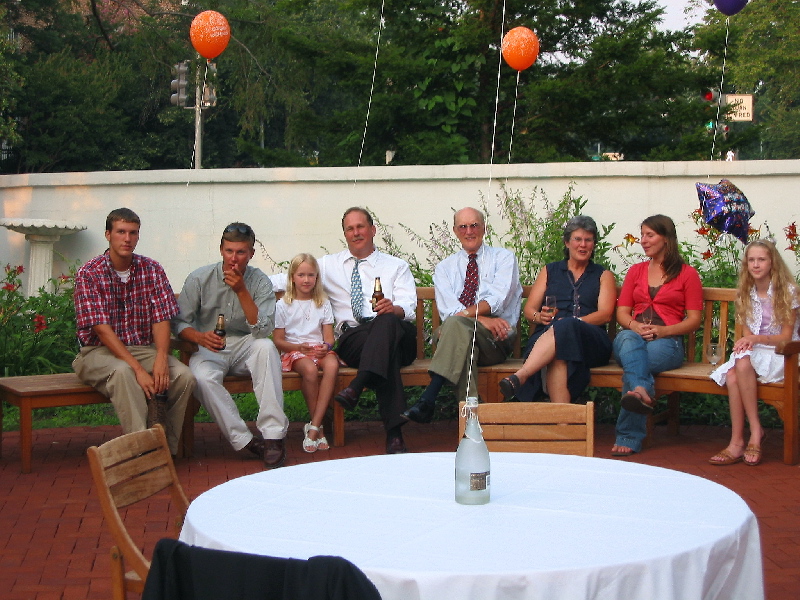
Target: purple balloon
[730,7]
[725,208]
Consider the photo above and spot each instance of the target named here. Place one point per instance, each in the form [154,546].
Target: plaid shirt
[101,298]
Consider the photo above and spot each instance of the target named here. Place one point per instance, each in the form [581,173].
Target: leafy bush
[38,333]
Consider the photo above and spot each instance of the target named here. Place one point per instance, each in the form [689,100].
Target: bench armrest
[787,348]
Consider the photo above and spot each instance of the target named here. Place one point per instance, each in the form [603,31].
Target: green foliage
[761,59]
[10,83]
[295,82]
[37,334]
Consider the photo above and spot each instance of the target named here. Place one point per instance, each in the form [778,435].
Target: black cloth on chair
[183,572]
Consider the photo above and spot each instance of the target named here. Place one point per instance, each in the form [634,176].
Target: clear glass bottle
[472,460]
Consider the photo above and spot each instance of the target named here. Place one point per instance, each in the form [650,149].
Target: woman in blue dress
[572,339]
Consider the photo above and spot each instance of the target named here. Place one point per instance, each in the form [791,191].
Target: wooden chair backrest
[126,470]
[535,427]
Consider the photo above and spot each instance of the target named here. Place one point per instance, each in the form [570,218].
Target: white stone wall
[299,209]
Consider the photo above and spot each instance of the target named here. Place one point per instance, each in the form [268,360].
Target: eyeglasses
[243,229]
[580,240]
[469,226]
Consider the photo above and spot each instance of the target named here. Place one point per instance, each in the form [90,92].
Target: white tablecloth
[556,527]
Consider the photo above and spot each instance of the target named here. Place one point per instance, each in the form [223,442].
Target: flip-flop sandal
[754,451]
[632,402]
[725,458]
[618,453]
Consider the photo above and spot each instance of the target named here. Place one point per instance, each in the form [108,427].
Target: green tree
[762,59]
[10,82]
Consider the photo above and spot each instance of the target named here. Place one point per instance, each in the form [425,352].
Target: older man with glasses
[244,296]
[478,297]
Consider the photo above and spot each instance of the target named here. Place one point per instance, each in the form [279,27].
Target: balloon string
[491,162]
[721,87]
[513,121]
[496,99]
[371,90]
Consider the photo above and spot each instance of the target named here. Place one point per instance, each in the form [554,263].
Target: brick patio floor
[54,544]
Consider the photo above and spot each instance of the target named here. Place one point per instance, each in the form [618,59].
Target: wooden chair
[536,427]
[125,470]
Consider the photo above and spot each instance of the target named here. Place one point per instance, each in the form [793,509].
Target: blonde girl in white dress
[304,336]
[766,301]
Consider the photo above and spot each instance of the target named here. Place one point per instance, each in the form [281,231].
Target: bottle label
[478,481]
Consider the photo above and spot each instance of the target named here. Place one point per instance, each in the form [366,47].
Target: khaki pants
[114,378]
[454,349]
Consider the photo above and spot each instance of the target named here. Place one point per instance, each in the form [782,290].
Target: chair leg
[118,591]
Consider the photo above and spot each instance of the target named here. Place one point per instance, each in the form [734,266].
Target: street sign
[742,107]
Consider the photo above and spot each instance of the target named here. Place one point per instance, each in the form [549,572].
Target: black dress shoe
[274,454]
[348,398]
[510,386]
[256,446]
[421,412]
[395,445]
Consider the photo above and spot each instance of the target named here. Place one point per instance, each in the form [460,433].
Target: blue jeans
[639,360]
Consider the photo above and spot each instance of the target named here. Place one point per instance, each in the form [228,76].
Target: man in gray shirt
[244,295]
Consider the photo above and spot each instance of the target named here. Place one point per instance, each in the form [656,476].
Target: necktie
[467,297]
[356,293]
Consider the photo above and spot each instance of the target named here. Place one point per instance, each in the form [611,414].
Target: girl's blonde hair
[317,294]
[784,287]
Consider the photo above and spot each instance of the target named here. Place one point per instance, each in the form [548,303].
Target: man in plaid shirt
[123,307]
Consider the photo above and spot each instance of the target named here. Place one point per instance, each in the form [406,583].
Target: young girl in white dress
[304,336]
[766,301]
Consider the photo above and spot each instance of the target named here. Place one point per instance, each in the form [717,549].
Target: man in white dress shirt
[377,340]
[477,283]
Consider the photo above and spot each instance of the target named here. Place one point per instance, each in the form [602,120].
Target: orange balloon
[520,48]
[210,33]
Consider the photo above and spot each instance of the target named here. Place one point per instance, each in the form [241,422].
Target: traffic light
[178,85]
[209,89]
[723,129]
[710,95]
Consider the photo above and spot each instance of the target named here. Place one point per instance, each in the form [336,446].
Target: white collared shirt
[499,283]
[396,280]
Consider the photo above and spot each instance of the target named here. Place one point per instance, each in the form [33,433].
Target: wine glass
[647,316]
[713,353]
[549,306]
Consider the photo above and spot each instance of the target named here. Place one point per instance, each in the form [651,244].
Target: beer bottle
[220,329]
[377,294]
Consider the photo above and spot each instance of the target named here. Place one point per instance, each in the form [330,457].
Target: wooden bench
[47,391]
[29,392]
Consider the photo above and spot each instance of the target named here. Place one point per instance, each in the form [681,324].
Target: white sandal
[309,445]
[322,443]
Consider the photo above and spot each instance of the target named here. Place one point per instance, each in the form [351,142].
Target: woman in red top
[660,302]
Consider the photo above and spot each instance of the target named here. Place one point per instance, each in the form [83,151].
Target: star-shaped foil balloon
[725,208]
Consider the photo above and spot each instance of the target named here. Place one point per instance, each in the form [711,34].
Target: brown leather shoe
[348,398]
[274,454]
[395,445]
[256,446]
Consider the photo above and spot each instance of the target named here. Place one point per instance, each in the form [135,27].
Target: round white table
[556,527]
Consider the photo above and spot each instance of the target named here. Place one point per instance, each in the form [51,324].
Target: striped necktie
[356,292]
[467,297]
